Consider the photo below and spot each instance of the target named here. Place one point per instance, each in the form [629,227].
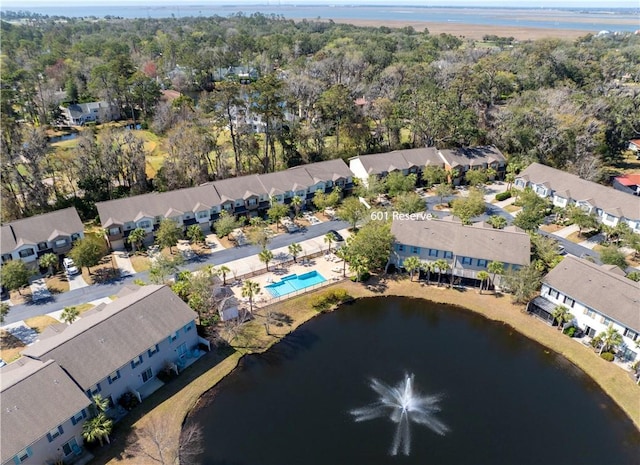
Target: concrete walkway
[76,281]
[566,232]
[124,263]
[593,241]
[21,331]
[39,290]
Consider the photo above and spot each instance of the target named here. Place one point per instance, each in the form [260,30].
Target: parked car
[337,235]
[561,250]
[70,267]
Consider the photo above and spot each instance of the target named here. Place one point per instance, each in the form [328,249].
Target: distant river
[585,19]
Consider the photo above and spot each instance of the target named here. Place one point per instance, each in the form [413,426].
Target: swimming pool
[294,282]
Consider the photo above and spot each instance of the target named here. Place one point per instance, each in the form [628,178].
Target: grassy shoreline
[176,401]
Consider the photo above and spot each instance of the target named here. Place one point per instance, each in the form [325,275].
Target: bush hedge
[608,356]
[570,331]
[329,299]
[503,195]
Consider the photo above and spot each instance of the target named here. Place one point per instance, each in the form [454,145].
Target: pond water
[503,398]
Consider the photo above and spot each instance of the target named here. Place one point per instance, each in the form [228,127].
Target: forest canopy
[260,93]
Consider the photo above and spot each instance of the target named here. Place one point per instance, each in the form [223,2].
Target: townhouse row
[610,206]
[466,249]
[250,195]
[113,349]
[413,161]
[597,296]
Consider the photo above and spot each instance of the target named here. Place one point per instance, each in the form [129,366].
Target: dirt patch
[10,346]
[40,323]
[140,262]
[104,271]
[226,242]
[21,297]
[57,283]
[551,228]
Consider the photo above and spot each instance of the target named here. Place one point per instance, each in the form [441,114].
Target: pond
[504,399]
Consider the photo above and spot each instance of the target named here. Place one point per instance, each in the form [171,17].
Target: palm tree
[359,265]
[482,276]
[98,428]
[223,270]
[194,234]
[49,261]
[136,238]
[295,249]
[442,266]
[412,264]
[429,268]
[495,268]
[296,203]
[561,315]
[497,221]
[265,257]
[250,289]
[329,238]
[69,315]
[610,339]
[343,254]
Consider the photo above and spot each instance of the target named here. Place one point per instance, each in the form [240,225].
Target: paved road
[98,291]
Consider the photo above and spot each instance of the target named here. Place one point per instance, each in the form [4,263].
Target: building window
[77,418]
[630,334]
[433,252]
[144,224]
[590,313]
[26,253]
[54,433]
[448,254]
[6,257]
[188,326]
[415,250]
[95,390]
[202,215]
[147,375]
[70,446]
[75,237]
[61,243]
[154,350]
[482,263]
[466,260]
[22,455]
[400,248]
[113,376]
[42,246]
[606,321]
[569,301]
[136,361]
[173,336]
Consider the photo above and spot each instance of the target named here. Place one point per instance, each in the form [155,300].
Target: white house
[597,297]
[609,205]
[403,161]
[78,114]
[42,414]
[28,239]
[467,249]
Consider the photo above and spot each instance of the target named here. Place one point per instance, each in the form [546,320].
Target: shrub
[328,299]
[570,331]
[503,195]
[608,356]
[128,401]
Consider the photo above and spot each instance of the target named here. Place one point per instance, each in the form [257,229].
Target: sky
[23,4]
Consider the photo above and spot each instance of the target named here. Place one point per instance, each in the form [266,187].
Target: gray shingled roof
[98,344]
[400,160]
[610,200]
[36,397]
[282,181]
[40,228]
[241,187]
[507,246]
[598,288]
[325,170]
[473,156]
[154,204]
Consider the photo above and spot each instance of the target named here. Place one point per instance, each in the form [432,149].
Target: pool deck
[330,267]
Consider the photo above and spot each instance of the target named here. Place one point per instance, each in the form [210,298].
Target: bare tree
[154,441]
